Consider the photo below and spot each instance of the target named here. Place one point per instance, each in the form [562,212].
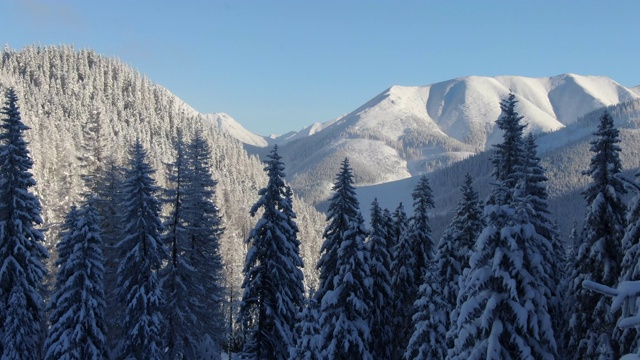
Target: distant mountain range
[407,131]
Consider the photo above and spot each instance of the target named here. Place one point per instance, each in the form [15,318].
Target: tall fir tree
[428,340]
[343,208]
[21,252]
[204,227]
[399,227]
[509,153]
[629,338]
[273,282]
[412,257]
[502,309]
[77,306]
[420,230]
[389,226]
[142,323]
[382,300]
[308,332]
[182,291]
[109,201]
[345,278]
[532,187]
[591,323]
[455,249]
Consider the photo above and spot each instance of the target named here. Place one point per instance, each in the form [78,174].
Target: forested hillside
[68,97]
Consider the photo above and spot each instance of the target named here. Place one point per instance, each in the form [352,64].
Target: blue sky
[277,66]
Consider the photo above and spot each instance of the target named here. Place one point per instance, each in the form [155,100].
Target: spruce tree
[629,338]
[308,333]
[182,291]
[142,253]
[420,230]
[509,153]
[428,339]
[345,278]
[413,255]
[193,278]
[389,226]
[204,227]
[598,259]
[77,305]
[273,282]
[532,187]
[109,201]
[21,252]
[502,309]
[399,227]
[382,300]
[343,208]
[455,248]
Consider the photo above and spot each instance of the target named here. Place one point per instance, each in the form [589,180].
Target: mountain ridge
[596,91]
[406,131]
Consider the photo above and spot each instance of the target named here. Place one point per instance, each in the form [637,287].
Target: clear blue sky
[277,65]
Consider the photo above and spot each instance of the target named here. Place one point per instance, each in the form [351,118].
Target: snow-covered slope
[564,153]
[232,127]
[430,127]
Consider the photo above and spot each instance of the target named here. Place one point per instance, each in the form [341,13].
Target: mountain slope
[564,153]
[229,125]
[420,129]
[62,91]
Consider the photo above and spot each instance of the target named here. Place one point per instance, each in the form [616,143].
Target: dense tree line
[83,107]
[494,286]
[167,276]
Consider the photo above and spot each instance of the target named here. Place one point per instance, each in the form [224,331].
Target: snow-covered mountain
[564,154]
[232,127]
[409,130]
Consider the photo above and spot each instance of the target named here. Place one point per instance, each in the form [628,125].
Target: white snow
[453,108]
[230,125]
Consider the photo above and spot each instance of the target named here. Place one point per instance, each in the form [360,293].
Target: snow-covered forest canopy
[118,198]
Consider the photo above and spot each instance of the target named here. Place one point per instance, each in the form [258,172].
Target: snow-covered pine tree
[345,278]
[591,324]
[419,229]
[502,310]
[532,187]
[308,333]
[204,227]
[413,255]
[508,153]
[273,284]
[182,290]
[428,340]
[399,227]
[629,338]
[109,201]
[388,223]
[380,320]
[142,253]
[77,305]
[343,208]
[21,252]
[455,248]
